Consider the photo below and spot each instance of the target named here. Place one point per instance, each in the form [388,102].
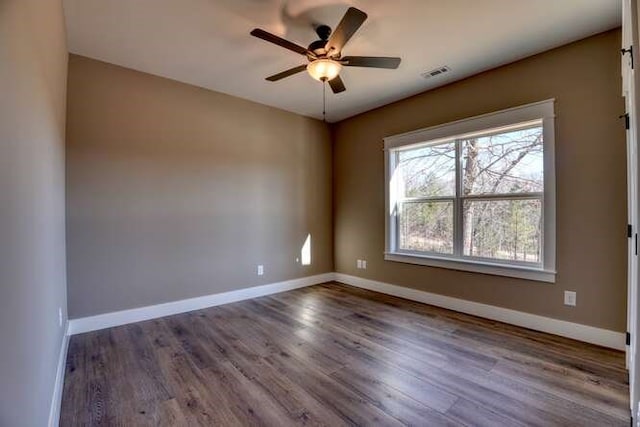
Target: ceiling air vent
[436,72]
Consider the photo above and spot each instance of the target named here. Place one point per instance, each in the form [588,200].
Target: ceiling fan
[325,60]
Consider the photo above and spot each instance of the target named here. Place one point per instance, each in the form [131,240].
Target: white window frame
[541,112]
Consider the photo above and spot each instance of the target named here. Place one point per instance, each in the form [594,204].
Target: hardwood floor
[336,355]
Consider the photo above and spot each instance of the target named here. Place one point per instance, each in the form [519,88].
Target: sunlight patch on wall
[305,253]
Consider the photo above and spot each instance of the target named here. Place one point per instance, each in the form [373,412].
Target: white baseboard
[56,399]
[117,318]
[590,334]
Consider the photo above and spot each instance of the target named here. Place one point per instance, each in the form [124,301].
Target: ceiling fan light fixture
[324,69]
[324,56]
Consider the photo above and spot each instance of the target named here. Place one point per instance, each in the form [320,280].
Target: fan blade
[351,21]
[337,85]
[371,61]
[287,73]
[272,38]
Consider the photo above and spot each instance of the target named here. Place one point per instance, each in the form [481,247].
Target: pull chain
[324,101]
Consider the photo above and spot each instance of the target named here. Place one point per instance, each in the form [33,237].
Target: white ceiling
[207,43]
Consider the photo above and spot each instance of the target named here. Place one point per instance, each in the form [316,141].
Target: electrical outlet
[364,264]
[359,263]
[570,298]
[60,316]
[260,270]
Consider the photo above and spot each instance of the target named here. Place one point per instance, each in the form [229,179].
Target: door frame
[630,86]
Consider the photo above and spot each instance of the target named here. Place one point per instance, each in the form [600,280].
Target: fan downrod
[323,31]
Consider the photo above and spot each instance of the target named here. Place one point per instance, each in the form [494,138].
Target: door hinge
[627,123]
[628,338]
[629,231]
[630,52]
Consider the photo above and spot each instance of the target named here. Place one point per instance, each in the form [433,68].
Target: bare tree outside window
[429,171]
[492,182]
[427,227]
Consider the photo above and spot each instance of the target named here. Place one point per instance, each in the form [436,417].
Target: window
[476,195]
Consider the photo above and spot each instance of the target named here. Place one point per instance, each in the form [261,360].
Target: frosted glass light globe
[324,69]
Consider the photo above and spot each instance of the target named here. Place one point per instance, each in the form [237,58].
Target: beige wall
[33,67]
[177,192]
[584,77]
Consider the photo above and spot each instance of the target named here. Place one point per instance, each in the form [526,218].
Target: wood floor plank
[289,395]
[471,383]
[564,384]
[286,363]
[73,396]
[354,409]
[406,409]
[336,355]
[497,386]
[198,399]
[468,413]
[412,340]
[170,414]
[387,368]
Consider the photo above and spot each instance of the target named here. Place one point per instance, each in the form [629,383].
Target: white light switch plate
[260,270]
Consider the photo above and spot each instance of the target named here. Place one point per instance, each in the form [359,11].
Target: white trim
[549,196]
[543,113]
[521,272]
[56,399]
[589,334]
[496,119]
[117,318]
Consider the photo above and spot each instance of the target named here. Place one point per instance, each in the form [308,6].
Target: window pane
[509,162]
[503,229]
[427,227]
[428,171]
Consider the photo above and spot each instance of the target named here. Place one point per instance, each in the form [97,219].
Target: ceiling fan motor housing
[318,46]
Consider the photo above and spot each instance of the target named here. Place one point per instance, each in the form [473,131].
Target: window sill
[521,272]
